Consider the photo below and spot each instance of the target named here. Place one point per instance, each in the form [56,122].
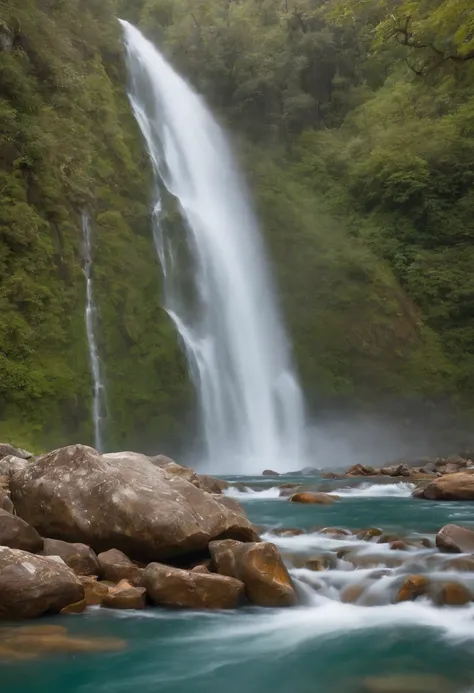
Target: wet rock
[459,486]
[79,557]
[454,594]
[121,501]
[455,539]
[124,596]
[398,545]
[370,533]
[289,491]
[33,641]
[94,591]
[33,585]
[414,683]
[76,608]
[388,538]
[413,586]
[201,569]
[333,475]
[259,566]
[335,532]
[316,564]
[352,593]
[169,586]
[312,498]
[6,449]
[287,531]
[211,484]
[269,472]
[361,470]
[17,534]
[462,563]
[372,560]
[116,566]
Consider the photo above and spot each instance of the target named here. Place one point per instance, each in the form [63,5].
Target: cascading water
[250,401]
[98,387]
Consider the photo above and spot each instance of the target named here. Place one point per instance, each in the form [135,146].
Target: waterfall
[250,402]
[98,387]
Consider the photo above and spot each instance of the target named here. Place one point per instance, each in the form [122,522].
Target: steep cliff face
[69,144]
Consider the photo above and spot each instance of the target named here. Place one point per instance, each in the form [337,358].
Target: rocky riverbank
[124,531]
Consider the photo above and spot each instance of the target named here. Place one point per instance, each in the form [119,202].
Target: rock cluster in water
[123,531]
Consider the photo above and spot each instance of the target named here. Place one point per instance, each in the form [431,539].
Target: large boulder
[123,502]
[261,569]
[79,557]
[7,449]
[459,486]
[169,586]
[17,534]
[455,539]
[116,566]
[34,585]
[10,465]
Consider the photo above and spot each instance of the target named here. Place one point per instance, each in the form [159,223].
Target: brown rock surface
[414,586]
[79,557]
[259,566]
[454,594]
[33,585]
[115,566]
[125,596]
[17,534]
[5,501]
[455,539]
[211,484]
[169,586]
[459,486]
[76,608]
[94,591]
[10,465]
[312,498]
[121,501]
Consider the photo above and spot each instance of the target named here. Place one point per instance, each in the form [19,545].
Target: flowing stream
[98,386]
[223,304]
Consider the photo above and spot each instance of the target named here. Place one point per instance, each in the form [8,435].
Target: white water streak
[98,386]
[250,402]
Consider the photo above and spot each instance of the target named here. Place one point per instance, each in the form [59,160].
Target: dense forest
[354,123]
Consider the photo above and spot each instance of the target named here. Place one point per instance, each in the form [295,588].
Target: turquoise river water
[322,646]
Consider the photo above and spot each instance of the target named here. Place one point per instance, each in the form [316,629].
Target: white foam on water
[401,490]
[251,494]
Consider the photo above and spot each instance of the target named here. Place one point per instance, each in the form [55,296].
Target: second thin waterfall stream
[250,401]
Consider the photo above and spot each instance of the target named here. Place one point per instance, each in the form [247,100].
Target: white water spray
[250,401]
[98,387]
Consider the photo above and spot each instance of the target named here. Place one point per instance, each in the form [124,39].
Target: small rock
[168,586]
[6,450]
[398,545]
[287,531]
[352,593]
[115,566]
[370,533]
[454,594]
[414,586]
[76,608]
[94,591]
[312,498]
[455,539]
[335,531]
[79,557]
[125,596]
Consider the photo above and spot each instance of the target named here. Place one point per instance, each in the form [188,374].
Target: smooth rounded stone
[76,608]
[413,586]
[335,532]
[201,569]
[115,566]
[453,594]
[455,539]
[79,557]
[289,491]
[269,472]
[38,640]
[168,586]
[17,534]
[399,545]
[465,564]
[7,450]
[369,534]
[350,594]
[211,484]
[11,464]
[459,486]
[407,683]
[5,502]
[260,567]
[125,596]
[94,591]
[121,501]
[312,498]
[32,585]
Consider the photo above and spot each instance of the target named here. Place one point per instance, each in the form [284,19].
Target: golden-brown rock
[454,594]
[94,591]
[312,498]
[259,566]
[32,585]
[115,566]
[455,539]
[125,596]
[168,586]
[459,486]
[414,586]
[76,608]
